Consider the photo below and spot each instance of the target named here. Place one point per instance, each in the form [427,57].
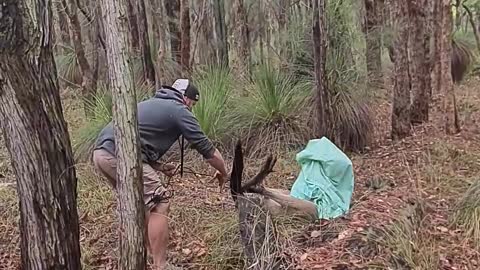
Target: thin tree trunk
[185,41]
[129,184]
[401,90]
[241,63]
[420,71]
[173,13]
[437,32]
[37,139]
[221,32]
[161,34]
[148,68]
[373,42]
[474,28]
[320,58]
[132,12]
[87,76]
[452,125]
[64,33]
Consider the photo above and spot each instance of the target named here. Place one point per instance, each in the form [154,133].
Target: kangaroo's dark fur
[236,187]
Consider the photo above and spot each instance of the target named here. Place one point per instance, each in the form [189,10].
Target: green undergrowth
[410,240]
[466,214]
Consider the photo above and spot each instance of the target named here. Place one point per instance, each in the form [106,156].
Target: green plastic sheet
[326,178]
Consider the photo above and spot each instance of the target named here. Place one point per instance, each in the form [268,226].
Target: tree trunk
[37,139]
[241,44]
[401,90]
[320,58]
[437,34]
[373,38]
[173,12]
[185,33]
[474,28]
[87,76]
[161,34]
[420,69]
[63,27]
[132,12]
[129,184]
[221,32]
[147,62]
[452,125]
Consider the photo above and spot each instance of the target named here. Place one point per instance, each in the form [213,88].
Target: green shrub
[269,116]
[212,111]
[68,69]
[467,213]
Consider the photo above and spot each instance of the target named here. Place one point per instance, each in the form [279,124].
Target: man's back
[161,120]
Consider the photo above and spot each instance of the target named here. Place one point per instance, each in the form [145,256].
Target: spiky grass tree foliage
[101,107]
[467,213]
[68,69]
[213,111]
[269,116]
[351,118]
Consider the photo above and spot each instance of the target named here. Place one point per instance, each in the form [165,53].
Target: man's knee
[161,208]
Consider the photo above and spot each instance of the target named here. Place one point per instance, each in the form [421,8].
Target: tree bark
[37,139]
[221,32]
[452,125]
[420,69]
[161,34]
[63,27]
[185,34]
[129,184]
[173,12]
[320,58]
[373,25]
[133,25]
[87,75]
[437,34]
[241,43]
[401,90]
[474,28]
[144,40]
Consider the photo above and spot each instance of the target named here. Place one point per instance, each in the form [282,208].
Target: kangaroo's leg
[283,199]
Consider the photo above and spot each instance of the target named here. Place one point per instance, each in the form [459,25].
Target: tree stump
[257,233]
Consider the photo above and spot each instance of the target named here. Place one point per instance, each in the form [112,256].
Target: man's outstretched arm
[191,130]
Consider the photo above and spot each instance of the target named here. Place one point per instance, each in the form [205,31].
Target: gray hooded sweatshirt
[161,120]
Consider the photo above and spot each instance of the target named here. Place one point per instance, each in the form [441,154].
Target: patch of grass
[410,241]
[68,69]
[222,238]
[216,85]
[269,117]
[467,213]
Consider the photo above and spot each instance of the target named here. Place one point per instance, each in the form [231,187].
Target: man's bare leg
[158,235]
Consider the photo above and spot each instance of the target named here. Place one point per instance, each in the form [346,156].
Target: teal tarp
[326,178]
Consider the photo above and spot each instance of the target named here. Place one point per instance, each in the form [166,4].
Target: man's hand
[221,179]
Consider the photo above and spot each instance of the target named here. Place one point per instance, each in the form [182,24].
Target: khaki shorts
[106,164]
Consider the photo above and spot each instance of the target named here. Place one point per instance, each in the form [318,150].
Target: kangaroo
[277,201]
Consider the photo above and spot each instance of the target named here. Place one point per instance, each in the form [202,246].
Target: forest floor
[400,217]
